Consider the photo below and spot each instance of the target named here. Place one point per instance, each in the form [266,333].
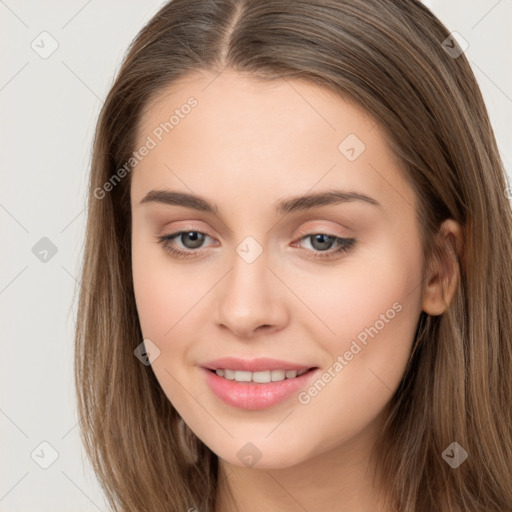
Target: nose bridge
[250,267]
[249,298]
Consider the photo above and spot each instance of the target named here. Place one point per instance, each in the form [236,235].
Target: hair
[387,57]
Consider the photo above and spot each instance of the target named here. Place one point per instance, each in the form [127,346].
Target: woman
[289,295]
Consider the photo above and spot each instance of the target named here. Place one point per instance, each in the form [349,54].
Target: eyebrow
[291,204]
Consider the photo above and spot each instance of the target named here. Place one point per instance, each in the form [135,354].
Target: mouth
[258,390]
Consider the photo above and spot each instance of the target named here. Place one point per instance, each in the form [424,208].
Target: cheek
[369,313]
[364,289]
[166,297]
[164,288]
[373,312]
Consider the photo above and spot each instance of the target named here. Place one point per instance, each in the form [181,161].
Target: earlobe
[444,277]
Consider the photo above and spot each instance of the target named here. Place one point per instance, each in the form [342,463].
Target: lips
[254,396]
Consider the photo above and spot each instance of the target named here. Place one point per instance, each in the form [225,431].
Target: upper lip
[254,365]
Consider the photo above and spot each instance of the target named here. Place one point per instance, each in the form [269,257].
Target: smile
[244,391]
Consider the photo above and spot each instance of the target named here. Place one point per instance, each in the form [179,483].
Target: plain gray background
[49,108]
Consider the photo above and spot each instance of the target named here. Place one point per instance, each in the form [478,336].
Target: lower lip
[247,395]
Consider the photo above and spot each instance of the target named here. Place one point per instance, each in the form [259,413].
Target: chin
[262,456]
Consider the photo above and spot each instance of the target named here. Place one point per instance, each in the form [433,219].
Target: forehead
[241,132]
[247,100]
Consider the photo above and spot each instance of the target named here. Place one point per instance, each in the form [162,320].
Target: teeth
[262,377]
[229,374]
[242,376]
[277,375]
[259,377]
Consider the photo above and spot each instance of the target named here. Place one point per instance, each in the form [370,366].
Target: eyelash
[346,244]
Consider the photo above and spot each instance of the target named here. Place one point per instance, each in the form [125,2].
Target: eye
[322,244]
[191,240]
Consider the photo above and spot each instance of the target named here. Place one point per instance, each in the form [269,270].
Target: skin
[244,147]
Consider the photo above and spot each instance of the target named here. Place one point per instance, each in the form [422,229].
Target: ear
[444,276]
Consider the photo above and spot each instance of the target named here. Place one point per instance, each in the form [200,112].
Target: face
[331,283]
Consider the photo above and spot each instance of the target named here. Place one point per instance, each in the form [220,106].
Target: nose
[251,299]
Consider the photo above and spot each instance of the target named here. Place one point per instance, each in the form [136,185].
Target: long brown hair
[388,57]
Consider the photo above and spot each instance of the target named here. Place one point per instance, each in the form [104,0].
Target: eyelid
[328,230]
[184,227]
